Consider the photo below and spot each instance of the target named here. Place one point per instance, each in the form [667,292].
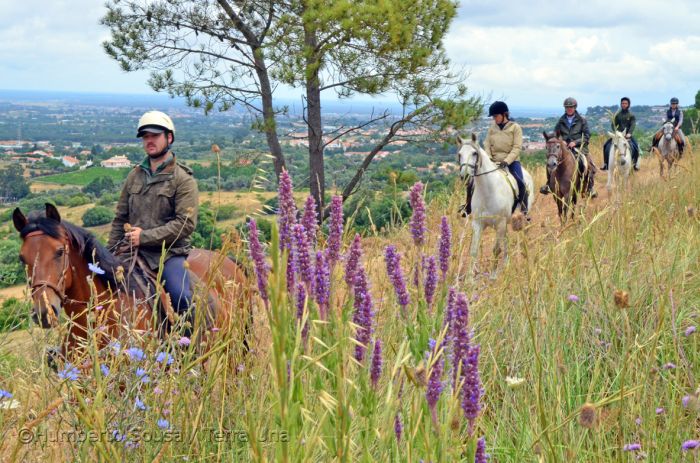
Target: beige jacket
[504,144]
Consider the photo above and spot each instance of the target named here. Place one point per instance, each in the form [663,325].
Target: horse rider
[674,114]
[159,200]
[503,144]
[624,120]
[572,127]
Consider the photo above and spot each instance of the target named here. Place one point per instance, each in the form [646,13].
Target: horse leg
[476,242]
[501,245]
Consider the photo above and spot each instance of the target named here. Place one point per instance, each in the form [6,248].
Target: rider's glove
[502,164]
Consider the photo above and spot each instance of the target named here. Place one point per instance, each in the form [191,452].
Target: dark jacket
[677,118]
[164,205]
[578,132]
[624,120]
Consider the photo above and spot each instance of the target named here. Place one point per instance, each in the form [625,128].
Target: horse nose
[551,164]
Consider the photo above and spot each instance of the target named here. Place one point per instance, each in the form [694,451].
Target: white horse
[495,191]
[667,150]
[620,157]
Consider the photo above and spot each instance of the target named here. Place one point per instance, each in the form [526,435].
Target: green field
[83,177]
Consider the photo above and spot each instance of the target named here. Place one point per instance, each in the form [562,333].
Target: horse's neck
[486,166]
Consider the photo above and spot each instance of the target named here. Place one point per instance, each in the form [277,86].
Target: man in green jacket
[159,201]
[624,120]
[573,129]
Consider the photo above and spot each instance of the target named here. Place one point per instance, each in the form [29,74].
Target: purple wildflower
[471,388]
[69,372]
[164,357]
[660,411]
[398,427]
[301,302]
[376,367]
[287,214]
[431,278]
[352,260]
[638,421]
[104,369]
[257,255]
[138,403]
[291,272]
[690,330]
[163,423]
[302,255]
[322,284]
[309,220]
[669,366]
[417,224]
[117,436]
[685,401]
[135,353]
[393,268]
[690,445]
[435,385]
[459,335]
[445,247]
[481,456]
[95,268]
[142,375]
[5,394]
[573,298]
[632,447]
[363,313]
[335,230]
[184,341]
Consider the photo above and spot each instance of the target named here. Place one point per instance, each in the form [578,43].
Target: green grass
[83,177]
[292,400]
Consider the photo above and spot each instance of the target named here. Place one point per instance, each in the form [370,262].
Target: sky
[529,53]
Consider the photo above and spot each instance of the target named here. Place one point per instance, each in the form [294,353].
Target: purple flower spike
[417,224]
[393,268]
[690,445]
[444,248]
[435,386]
[690,330]
[363,313]
[398,427]
[459,334]
[302,255]
[291,272]
[335,230]
[632,447]
[310,221]
[471,388]
[376,368]
[287,213]
[481,456]
[322,284]
[257,255]
[301,301]
[352,260]
[431,279]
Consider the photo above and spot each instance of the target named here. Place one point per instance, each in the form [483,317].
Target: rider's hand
[502,164]
[134,236]
[572,144]
[628,136]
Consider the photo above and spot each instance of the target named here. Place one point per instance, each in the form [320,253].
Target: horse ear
[52,212]
[611,135]
[460,141]
[545,135]
[19,219]
[474,137]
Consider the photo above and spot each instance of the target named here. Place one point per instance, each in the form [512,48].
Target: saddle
[513,187]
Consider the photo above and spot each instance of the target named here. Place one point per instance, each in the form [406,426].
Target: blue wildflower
[69,372]
[94,268]
[164,357]
[135,353]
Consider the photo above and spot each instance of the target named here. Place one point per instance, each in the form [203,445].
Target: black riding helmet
[497,107]
[674,100]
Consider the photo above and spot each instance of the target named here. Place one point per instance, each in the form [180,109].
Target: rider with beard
[624,120]
[159,200]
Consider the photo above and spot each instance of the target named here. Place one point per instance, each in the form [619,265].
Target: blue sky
[530,53]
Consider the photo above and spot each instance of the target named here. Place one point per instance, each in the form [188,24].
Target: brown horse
[565,178]
[70,270]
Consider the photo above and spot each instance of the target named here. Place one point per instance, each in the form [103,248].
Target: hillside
[586,346]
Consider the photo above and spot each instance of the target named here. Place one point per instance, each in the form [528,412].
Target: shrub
[98,215]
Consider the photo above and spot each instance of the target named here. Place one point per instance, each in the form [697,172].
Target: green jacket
[163,204]
[624,120]
[578,132]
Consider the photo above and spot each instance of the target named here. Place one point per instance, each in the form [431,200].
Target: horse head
[555,150]
[45,253]
[621,144]
[468,156]
[668,130]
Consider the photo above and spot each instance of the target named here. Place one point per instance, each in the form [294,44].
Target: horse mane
[87,244]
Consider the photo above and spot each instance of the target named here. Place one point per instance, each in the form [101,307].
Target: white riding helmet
[155,122]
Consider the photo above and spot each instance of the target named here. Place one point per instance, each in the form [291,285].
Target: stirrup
[545,190]
[604,167]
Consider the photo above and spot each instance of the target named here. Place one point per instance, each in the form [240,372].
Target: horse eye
[60,252]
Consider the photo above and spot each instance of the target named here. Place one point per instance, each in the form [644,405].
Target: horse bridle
[466,164]
[60,292]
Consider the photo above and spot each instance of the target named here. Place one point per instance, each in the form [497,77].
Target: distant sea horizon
[164,101]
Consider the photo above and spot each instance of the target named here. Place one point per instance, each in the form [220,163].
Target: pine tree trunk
[270,125]
[313,120]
